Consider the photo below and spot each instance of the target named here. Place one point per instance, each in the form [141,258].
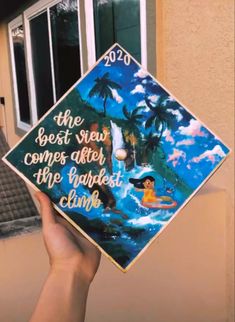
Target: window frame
[30,13]
[90,32]
[18,21]
[87,48]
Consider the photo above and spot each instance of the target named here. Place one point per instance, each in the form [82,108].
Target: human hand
[67,248]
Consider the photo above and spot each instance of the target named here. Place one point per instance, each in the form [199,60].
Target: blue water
[135,225]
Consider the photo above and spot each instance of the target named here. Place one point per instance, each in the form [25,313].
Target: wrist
[70,270]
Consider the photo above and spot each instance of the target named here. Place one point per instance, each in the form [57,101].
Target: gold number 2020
[119,55]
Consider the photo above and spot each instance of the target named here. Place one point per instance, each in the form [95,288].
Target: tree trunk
[105,105]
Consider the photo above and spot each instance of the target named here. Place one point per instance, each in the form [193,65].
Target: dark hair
[139,183]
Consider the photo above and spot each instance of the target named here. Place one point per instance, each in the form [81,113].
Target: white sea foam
[146,220]
[138,201]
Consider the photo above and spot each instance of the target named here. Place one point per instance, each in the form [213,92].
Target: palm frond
[157,123]
[138,122]
[94,91]
[138,117]
[149,121]
[135,111]
[161,100]
[147,101]
[105,76]
[125,112]
[172,104]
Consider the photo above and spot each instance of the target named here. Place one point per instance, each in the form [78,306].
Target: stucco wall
[195,61]
[196,64]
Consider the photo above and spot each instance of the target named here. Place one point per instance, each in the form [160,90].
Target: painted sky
[191,149]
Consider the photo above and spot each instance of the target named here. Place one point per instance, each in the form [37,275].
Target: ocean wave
[146,221]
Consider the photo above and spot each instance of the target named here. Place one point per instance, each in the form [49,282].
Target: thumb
[47,212]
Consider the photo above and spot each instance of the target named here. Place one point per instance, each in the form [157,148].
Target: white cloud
[138,89]
[193,129]
[210,154]
[141,103]
[143,106]
[176,156]
[116,96]
[185,142]
[153,98]
[168,136]
[141,73]
[171,99]
[177,113]
[144,81]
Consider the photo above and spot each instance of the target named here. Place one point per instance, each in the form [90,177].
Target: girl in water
[150,198]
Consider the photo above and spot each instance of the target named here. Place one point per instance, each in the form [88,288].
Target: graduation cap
[95,152]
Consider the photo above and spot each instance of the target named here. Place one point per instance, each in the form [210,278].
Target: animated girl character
[150,199]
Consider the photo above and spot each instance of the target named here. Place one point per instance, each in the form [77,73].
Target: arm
[138,189]
[74,262]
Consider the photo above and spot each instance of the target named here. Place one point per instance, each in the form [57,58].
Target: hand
[67,248]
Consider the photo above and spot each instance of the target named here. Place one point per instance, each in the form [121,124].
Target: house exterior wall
[195,62]
[7,112]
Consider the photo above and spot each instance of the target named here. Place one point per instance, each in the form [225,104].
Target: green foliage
[103,88]
[148,149]
[132,117]
[160,118]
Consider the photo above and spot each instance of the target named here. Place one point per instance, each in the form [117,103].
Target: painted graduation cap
[119,156]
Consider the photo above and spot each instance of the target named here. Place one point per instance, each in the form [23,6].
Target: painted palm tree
[151,141]
[133,117]
[103,88]
[161,118]
[132,135]
[147,146]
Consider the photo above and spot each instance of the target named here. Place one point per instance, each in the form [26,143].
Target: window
[117,21]
[19,75]
[55,52]
[122,21]
[41,63]
[54,47]
[65,43]
[54,41]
